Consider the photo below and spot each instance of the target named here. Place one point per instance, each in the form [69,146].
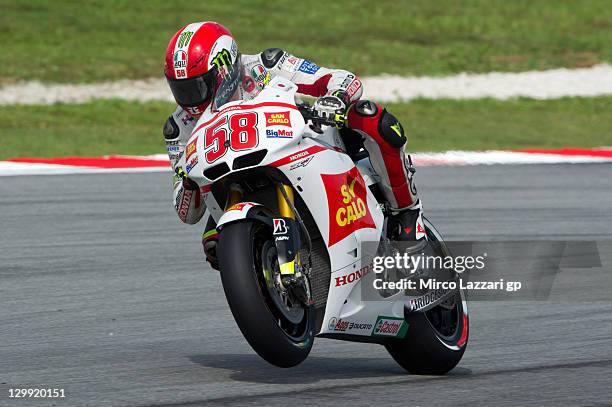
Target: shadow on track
[251,368]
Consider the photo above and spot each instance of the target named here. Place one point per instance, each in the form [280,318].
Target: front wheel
[437,338]
[277,327]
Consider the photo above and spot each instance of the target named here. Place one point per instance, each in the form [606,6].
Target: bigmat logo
[348,207]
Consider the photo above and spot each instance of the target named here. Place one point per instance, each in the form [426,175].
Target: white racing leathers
[383,136]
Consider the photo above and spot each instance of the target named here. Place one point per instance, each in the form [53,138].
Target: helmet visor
[192,91]
[229,78]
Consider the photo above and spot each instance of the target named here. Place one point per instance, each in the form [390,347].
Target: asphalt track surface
[105,294]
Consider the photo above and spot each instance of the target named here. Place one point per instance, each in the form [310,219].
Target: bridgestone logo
[427,299]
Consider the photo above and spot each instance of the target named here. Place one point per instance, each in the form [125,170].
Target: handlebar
[308,114]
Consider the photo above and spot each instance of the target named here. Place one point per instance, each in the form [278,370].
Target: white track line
[501,157]
[550,84]
[14,169]
[448,158]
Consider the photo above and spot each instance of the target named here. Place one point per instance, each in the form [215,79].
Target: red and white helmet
[203,66]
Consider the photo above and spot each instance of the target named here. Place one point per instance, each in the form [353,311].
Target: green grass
[76,41]
[99,128]
[116,127]
[438,125]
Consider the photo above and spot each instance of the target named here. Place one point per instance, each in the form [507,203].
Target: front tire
[280,333]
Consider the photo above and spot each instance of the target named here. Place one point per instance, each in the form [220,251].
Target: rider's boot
[407,225]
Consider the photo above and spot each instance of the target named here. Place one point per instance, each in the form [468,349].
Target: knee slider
[391,130]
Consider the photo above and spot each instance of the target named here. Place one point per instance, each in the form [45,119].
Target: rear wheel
[277,326]
[437,338]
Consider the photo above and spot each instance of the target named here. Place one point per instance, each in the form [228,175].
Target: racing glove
[332,108]
[187,182]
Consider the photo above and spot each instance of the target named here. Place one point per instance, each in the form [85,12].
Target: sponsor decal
[248,84]
[300,164]
[357,326]
[347,202]
[308,67]
[340,325]
[193,110]
[332,323]
[234,50]
[180,56]
[417,304]
[353,87]
[184,38]
[280,226]
[239,206]
[397,128]
[191,149]
[282,133]
[191,164]
[299,155]
[173,148]
[258,72]
[179,195]
[420,230]
[390,327]
[282,59]
[264,82]
[186,119]
[223,62]
[349,78]
[180,59]
[292,63]
[354,276]
[174,157]
[278,119]
[184,207]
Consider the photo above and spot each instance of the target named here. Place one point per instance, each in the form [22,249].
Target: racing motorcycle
[293,211]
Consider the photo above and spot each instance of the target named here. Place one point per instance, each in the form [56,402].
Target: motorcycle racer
[205,70]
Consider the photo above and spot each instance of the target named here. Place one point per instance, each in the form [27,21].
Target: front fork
[233,197]
[285,230]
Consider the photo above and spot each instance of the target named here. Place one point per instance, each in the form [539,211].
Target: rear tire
[242,250]
[437,338]
[425,351]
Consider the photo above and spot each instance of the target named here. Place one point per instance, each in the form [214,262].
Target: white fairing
[235,213]
[329,183]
